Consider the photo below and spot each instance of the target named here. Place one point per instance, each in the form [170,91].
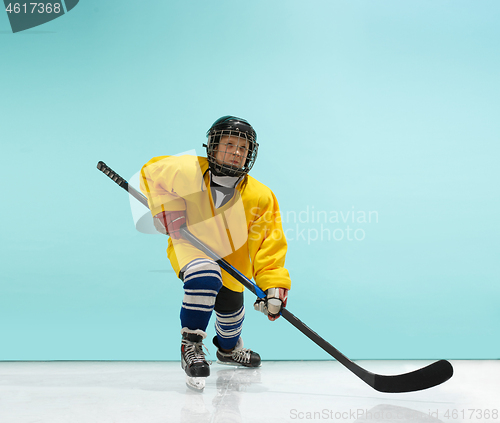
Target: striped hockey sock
[228,327]
[202,282]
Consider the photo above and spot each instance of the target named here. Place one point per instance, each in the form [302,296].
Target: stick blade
[424,378]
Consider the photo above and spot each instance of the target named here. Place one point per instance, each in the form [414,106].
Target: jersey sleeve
[267,245]
[158,183]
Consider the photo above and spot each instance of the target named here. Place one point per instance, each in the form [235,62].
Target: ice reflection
[225,406]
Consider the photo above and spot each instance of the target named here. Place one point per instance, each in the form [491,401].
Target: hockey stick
[426,377]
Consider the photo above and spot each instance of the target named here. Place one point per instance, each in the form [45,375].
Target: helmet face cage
[239,141]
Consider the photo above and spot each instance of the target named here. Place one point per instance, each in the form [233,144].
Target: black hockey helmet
[234,127]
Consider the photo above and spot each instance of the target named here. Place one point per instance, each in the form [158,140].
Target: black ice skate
[193,358]
[239,356]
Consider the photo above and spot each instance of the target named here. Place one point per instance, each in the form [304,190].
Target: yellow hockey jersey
[246,231]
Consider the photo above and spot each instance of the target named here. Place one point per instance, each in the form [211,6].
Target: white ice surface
[154,392]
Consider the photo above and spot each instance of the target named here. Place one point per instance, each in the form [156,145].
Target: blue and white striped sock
[202,282]
[228,327]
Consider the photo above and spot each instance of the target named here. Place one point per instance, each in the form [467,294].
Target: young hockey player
[238,218]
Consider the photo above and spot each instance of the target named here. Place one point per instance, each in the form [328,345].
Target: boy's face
[232,151]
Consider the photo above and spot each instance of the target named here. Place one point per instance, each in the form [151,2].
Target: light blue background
[374,105]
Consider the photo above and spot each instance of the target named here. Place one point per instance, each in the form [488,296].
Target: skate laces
[242,355]
[193,351]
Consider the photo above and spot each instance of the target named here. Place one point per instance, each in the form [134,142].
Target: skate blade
[196,383]
[240,366]
[230,363]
